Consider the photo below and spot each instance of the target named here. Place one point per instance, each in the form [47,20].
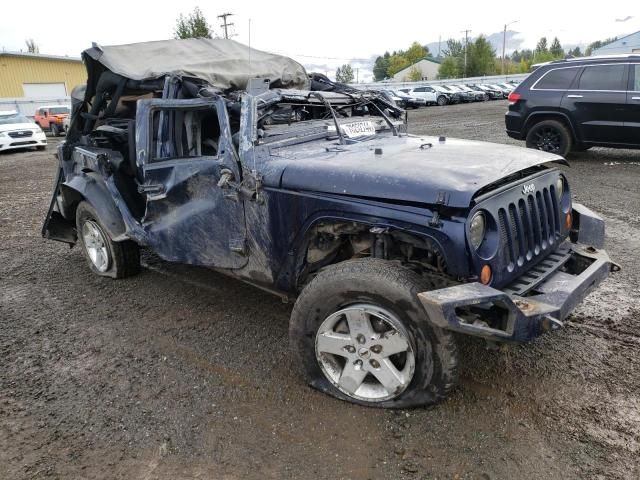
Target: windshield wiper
[393,128]
[333,114]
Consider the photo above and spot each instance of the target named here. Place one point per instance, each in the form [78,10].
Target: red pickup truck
[51,117]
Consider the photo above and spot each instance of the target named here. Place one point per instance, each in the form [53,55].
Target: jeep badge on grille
[527,189]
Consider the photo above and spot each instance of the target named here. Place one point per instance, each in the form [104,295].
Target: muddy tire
[368,312]
[105,257]
[550,136]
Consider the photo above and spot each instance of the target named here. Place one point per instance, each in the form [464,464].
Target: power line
[225,24]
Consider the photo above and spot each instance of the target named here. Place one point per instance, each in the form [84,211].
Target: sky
[320,35]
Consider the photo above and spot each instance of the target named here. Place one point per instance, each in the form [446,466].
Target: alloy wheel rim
[96,246]
[548,139]
[365,352]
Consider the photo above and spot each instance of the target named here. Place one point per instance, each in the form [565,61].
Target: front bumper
[480,310]
[36,140]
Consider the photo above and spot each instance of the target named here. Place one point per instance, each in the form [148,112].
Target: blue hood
[403,171]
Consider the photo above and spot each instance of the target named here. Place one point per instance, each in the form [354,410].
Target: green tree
[344,74]
[415,53]
[454,49]
[32,46]
[380,67]
[556,49]
[541,47]
[449,68]
[415,74]
[481,58]
[193,25]
[576,52]
[397,62]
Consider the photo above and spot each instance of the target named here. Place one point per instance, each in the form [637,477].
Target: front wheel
[360,334]
[442,101]
[55,130]
[550,136]
[105,257]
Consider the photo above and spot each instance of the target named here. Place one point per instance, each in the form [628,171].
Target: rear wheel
[550,136]
[442,101]
[105,257]
[360,334]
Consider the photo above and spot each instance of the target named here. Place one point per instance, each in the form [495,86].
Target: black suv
[575,104]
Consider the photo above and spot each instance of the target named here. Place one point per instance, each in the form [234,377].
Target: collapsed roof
[224,64]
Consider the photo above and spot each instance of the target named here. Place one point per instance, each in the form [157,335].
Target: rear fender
[539,115]
[91,187]
[60,223]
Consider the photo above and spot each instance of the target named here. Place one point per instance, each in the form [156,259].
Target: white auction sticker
[359,129]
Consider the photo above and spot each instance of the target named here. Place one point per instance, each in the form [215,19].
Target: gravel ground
[182,373]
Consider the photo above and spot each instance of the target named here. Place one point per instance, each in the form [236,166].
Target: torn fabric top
[225,64]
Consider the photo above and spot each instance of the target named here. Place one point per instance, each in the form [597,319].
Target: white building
[628,44]
[428,68]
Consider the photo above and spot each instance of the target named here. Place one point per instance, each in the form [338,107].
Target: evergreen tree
[542,46]
[481,58]
[556,49]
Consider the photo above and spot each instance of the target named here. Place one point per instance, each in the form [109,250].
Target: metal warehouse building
[34,75]
[627,44]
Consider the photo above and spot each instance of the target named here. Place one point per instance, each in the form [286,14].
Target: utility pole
[504,42]
[225,24]
[466,45]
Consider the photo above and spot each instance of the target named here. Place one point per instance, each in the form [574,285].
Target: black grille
[21,134]
[529,228]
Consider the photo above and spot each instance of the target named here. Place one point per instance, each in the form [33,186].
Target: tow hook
[550,323]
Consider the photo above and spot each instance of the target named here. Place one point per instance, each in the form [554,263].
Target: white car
[431,96]
[17,131]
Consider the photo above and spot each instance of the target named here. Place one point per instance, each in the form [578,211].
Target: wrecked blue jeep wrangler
[208,153]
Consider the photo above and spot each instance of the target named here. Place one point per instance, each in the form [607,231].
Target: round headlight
[477,230]
[560,187]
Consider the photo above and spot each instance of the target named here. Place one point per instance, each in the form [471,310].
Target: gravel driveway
[183,373]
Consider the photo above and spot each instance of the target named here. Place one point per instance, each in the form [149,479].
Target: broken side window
[184,133]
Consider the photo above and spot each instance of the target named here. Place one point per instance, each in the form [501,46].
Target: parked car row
[449,94]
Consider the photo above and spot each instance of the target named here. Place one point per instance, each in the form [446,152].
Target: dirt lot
[183,373]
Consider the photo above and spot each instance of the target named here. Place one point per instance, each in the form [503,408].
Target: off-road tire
[556,129]
[124,255]
[394,288]
[55,130]
[441,101]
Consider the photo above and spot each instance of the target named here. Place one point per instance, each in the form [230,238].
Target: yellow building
[39,76]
